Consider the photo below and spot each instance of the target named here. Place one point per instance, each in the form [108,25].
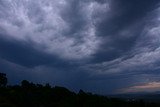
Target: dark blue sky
[101,46]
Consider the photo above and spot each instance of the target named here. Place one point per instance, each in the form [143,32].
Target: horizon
[99,46]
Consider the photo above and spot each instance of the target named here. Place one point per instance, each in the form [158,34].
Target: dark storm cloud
[123,26]
[124,13]
[22,54]
[72,24]
[25,55]
[95,45]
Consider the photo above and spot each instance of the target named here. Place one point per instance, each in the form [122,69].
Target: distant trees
[25,84]
[29,94]
[3,80]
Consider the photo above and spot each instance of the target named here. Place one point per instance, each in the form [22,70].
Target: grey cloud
[47,24]
[22,54]
[96,45]
[122,27]
[145,61]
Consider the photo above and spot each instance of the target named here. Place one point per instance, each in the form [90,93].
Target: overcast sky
[100,46]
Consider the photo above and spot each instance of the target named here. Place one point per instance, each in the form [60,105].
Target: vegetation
[3,80]
[29,94]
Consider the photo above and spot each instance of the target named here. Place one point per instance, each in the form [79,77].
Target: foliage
[36,95]
[3,80]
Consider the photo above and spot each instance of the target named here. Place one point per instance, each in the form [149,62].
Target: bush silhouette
[3,80]
[29,94]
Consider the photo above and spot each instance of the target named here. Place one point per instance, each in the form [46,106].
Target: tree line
[28,94]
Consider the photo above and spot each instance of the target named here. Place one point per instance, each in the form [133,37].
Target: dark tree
[3,80]
[26,84]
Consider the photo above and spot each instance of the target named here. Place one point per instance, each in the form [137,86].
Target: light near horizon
[147,87]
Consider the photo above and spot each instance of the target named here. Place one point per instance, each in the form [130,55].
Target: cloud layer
[62,27]
[97,45]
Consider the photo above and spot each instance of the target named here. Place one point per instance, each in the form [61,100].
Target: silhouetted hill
[29,94]
[36,95]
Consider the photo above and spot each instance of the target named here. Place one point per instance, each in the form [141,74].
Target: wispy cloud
[81,43]
[147,87]
[143,55]
[48,25]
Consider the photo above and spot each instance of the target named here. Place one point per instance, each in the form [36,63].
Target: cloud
[97,45]
[142,54]
[49,25]
[23,54]
[138,63]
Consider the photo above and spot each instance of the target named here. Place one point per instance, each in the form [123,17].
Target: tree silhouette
[29,94]
[25,83]
[3,80]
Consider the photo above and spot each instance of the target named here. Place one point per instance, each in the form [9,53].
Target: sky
[100,46]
